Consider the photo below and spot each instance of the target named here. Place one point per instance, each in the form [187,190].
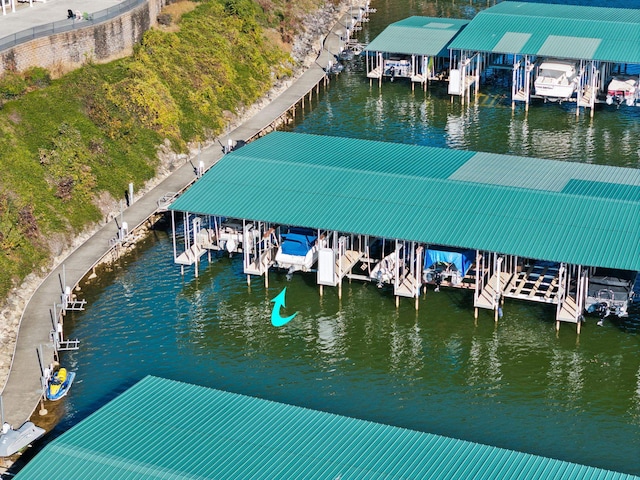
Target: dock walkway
[23,389]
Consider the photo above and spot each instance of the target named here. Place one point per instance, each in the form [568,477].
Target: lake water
[516,384]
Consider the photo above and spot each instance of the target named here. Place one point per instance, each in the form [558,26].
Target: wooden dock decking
[569,311]
[539,283]
[408,286]
[344,263]
[261,264]
[375,73]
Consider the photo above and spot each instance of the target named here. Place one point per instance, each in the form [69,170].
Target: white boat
[226,236]
[12,441]
[623,88]
[384,271]
[298,250]
[556,79]
[397,67]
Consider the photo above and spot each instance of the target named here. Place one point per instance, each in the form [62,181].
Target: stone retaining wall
[101,43]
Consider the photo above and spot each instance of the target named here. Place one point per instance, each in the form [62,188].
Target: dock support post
[495,315]
[321,290]
[475,313]
[578,327]
[417,298]
[397,301]
[43,411]
[340,289]
[557,325]
[266,278]
[248,280]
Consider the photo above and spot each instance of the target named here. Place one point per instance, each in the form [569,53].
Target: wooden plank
[568,311]
[523,280]
[536,285]
[552,287]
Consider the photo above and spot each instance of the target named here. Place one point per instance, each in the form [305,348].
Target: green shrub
[12,85]
[37,77]
[95,130]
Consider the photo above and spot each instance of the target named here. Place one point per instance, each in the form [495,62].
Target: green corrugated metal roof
[498,203]
[566,31]
[418,36]
[166,429]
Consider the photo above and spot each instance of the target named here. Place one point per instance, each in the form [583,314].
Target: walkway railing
[61,26]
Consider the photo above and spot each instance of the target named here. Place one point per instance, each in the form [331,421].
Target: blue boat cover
[298,241]
[461,259]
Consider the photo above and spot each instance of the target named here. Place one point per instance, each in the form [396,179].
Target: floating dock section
[218,434]
[402,215]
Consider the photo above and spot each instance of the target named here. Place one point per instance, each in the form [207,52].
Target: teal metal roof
[506,204]
[163,429]
[418,36]
[550,30]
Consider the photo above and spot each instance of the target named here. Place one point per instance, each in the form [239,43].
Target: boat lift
[464,73]
[336,260]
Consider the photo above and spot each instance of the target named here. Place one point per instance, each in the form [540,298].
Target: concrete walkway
[41,13]
[23,389]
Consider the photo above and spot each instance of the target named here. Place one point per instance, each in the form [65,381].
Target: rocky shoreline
[305,50]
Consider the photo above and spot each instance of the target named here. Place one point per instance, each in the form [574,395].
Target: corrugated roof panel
[214,434]
[417,36]
[569,47]
[602,189]
[615,30]
[539,174]
[394,200]
[512,42]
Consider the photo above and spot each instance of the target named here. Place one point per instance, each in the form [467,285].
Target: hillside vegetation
[70,143]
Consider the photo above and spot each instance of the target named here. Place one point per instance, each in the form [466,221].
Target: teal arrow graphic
[276,319]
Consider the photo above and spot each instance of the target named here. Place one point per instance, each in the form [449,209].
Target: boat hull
[556,80]
[58,387]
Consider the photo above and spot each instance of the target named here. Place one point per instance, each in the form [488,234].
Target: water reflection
[484,370]
[565,382]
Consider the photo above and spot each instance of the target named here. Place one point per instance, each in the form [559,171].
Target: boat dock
[39,336]
[528,235]
[557,53]
[244,437]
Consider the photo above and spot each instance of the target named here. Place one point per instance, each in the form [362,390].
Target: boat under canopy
[447,264]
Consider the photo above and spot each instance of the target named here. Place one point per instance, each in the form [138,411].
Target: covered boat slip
[413,48]
[521,36]
[530,222]
[204,433]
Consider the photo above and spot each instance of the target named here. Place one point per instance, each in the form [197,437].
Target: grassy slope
[64,142]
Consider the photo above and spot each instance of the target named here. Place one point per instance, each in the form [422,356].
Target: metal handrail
[67,25]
